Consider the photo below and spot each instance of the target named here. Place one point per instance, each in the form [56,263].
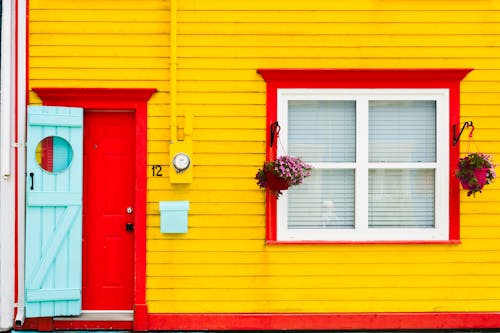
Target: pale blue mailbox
[174,217]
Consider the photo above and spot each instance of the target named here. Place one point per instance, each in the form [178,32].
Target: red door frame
[113,99]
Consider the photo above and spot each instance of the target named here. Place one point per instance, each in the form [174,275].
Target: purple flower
[292,170]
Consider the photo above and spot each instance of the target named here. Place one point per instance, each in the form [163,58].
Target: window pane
[402,131]
[401,198]
[322,131]
[324,201]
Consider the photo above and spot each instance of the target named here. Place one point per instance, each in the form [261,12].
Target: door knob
[129,227]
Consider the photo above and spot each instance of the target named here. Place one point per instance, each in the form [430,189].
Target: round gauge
[181,162]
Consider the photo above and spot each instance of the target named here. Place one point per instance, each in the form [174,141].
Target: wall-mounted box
[174,217]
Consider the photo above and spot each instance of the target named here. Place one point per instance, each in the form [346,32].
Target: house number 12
[157,170]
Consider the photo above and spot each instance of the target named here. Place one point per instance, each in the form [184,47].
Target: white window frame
[361,232]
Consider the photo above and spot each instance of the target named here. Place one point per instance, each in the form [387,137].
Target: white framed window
[381,164]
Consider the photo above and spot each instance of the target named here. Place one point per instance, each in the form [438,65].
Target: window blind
[401,198]
[402,131]
[324,201]
[322,131]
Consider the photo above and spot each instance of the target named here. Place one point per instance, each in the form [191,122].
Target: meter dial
[181,162]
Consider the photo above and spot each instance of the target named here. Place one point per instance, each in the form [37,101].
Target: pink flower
[289,168]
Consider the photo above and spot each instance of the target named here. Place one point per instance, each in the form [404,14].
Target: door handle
[32,175]
[129,227]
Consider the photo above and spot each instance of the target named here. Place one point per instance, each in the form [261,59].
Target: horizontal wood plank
[314,306]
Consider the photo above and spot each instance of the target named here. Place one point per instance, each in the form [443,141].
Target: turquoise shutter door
[53,275]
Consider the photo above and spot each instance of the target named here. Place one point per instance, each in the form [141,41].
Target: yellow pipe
[173,71]
[185,144]
[188,125]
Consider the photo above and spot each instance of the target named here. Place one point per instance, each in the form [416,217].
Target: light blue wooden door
[53,275]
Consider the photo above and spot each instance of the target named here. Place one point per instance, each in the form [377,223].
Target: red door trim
[48,324]
[112,99]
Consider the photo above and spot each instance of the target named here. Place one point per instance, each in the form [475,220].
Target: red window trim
[112,99]
[447,78]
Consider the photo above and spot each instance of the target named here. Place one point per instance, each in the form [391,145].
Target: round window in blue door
[54,154]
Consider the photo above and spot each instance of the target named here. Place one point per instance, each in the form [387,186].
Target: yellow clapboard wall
[223,264]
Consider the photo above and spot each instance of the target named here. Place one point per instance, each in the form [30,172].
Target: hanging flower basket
[276,183]
[481,175]
[474,171]
[280,174]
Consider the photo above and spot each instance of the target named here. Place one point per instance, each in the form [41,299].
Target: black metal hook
[457,138]
[274,131]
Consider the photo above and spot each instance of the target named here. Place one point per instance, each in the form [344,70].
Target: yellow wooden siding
[223,264]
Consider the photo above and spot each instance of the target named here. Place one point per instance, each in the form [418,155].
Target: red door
[108,210]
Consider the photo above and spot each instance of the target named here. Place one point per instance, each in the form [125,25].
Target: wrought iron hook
[457,138]
[274,131]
